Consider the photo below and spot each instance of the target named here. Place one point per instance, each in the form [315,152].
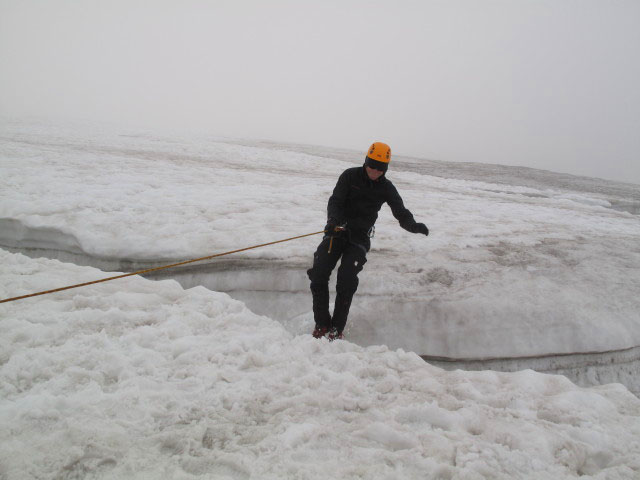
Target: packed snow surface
[141,379]
[519,263]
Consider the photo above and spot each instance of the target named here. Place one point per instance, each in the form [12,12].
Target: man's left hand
[421,228]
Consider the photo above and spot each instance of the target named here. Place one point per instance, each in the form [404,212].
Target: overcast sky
[550,84]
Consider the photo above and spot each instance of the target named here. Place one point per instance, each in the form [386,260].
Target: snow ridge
[280,291]
[142,379]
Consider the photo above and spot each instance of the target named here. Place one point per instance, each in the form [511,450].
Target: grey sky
[550,84]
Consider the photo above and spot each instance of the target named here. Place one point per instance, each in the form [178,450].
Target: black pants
[353,259]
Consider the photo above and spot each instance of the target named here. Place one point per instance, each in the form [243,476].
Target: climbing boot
[319,332]
[334,334]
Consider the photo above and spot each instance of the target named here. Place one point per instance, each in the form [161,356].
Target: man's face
[373,173]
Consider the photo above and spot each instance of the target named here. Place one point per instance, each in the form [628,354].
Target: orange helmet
[378,156]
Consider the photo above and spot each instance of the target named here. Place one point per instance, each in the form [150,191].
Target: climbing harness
[372,232]
[140,272]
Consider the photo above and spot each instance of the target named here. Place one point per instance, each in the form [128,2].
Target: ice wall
[282,293]
[279,290]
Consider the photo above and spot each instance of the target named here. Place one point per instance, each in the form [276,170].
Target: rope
[140,272]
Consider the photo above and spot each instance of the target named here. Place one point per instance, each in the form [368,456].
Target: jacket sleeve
[337,201]
[402,214]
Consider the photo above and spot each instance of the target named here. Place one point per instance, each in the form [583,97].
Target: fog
[544,84]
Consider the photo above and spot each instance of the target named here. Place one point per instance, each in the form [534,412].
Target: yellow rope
[155,269]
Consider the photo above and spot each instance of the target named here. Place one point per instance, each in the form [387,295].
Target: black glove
[421,228]
[331,225]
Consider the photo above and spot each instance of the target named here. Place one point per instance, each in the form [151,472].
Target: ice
[168,379]
[143,379]
[520,264]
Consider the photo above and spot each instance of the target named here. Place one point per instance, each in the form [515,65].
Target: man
[352,212]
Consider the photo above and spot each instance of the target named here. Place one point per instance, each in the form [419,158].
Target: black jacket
[357,199]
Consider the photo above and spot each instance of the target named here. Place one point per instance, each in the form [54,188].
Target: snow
[509,270]
[142,379]
[152,379]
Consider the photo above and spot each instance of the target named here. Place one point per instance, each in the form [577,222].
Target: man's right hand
[331,225]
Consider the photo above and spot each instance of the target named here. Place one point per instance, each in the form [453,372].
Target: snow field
[507,271]
[141,379]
